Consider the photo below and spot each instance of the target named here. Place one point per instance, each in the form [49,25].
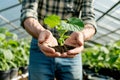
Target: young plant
[14,53]
[63,26]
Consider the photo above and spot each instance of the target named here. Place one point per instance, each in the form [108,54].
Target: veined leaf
[76,21]
[52,20]
[70,27]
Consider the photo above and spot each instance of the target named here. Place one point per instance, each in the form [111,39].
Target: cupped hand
[46,41]
[76,39]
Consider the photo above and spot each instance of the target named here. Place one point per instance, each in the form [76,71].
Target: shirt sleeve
[29,9]
[88,15]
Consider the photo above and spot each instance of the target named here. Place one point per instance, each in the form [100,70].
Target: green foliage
[75,21]
[107,56]
[13,52]
[63,26]
[52,21]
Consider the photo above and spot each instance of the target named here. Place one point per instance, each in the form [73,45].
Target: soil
[63,48]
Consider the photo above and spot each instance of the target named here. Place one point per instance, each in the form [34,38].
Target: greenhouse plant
[14,53]
[104,60]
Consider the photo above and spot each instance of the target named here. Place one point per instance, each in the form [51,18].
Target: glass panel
[115,36]
[11,14]
[104,35]
[97,14]
[7,3]
[118,32]
[102,30]
[7,26]
[17,23]
[104,5]
[109,23]
[2,22]
[100,41]
[116,12]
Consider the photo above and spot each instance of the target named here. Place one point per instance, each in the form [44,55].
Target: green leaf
[113,59]
[52,21]
[70,27]
[13,43]
[15,37]
[3,30]
[13,65]
[8,54]
[76,21]
[8,34]
[105,50]
[2,36]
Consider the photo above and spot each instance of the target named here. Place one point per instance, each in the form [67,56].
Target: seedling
[63,27]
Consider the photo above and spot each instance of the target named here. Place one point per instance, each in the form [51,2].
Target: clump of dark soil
[63,48]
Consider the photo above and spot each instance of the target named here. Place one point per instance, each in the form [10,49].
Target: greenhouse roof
[107,18]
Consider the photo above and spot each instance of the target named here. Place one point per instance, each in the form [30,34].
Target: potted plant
[103,60]
[5,57]
[63,27]
[13,53]
[21,54]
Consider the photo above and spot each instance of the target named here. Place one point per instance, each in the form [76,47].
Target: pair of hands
[46,39]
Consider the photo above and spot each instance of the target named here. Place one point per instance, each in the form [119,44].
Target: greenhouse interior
[101,56]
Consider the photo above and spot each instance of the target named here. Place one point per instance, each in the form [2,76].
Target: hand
[76,39]
[46,41]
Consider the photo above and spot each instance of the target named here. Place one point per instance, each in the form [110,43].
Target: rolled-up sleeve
[88,15]
[29,9]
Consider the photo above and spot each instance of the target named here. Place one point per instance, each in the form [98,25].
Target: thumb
[43,36]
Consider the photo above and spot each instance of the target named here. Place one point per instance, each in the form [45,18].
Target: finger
[58,54]
[63,54]
[48,51]
[76,50]
[71,56]
[44,47]
[41,38]
[52,54]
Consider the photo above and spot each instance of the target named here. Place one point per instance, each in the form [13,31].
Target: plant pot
[24,69]
[5,75]
[110,72]
[105,73]
[13,73]
[63,48]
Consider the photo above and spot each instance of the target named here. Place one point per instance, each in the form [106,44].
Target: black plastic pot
[24,69]
[13,73]
[5,75]
[103,73]
[110,72]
